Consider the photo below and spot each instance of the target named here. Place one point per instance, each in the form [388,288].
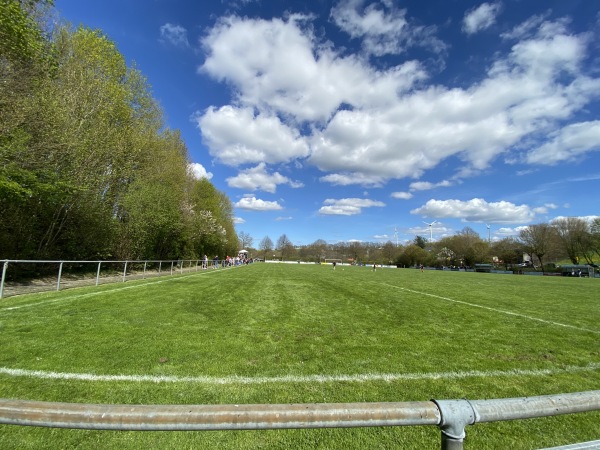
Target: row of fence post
[451,416]
[126,264]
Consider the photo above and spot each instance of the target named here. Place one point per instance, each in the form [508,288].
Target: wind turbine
[396,235]
[430,230]
[489,234]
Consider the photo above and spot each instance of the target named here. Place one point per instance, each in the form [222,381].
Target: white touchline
[233,379]
[489,308]
[92,294]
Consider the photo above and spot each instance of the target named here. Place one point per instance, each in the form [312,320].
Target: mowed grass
[292,333]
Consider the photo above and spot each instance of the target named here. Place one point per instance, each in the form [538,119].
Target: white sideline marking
[92,294]
[489,308]
[234,379]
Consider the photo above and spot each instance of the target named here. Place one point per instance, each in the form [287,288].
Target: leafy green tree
[389,252]
[420,241]
[84,127]
[229,239]
[23,186]
[508,250]
[152,208]
[86,167]
[413,255]
[212,226]
[21,37]
[466,247]
[481,252]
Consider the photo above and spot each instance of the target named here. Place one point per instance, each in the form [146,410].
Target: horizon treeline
[88,169]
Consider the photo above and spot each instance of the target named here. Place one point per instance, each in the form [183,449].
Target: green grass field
[287,333]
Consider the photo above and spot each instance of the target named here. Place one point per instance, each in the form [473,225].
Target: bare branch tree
[245,240]
[538,240]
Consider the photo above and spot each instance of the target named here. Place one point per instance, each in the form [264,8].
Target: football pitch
[296,333]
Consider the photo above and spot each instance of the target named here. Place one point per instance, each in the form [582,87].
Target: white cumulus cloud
[477,210]
[297,99]
[525,94]
[237,136]
[402,195]
[278,65]
[480,18]
[346,179]
[426,185]
[198,171]
[347,206]
[258,178]
[255,204]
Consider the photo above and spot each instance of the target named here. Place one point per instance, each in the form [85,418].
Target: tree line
[88,169]
[565,239]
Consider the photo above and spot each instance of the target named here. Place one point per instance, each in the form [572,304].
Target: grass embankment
[279,333]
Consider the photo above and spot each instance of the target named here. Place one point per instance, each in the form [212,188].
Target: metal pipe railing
[216,417]
[451,416]
[456,414]
[530,407]
[180,264]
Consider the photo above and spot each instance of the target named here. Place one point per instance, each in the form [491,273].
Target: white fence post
[59,275]
[4,269]
[98,273]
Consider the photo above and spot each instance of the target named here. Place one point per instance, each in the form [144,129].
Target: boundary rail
[451,416]
[127,270]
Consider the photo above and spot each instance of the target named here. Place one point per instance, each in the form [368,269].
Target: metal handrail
[178,264]
[216,417]
[451,416]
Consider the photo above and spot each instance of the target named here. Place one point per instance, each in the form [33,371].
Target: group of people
[229,261]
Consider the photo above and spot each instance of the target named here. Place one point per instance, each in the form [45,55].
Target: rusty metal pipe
[216,417]
[451,416]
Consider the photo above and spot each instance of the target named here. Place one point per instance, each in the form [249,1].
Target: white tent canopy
[243,251]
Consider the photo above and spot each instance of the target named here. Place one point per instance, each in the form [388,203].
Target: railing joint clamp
[455,416]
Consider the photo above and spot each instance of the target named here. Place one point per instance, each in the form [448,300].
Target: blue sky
[365,120]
